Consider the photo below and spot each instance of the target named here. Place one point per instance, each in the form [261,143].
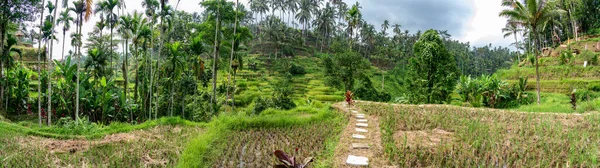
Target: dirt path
[375,154]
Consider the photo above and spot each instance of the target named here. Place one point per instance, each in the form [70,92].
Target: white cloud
[486,26]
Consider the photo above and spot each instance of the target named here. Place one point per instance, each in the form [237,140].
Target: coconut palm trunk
[39,66]
[231,57]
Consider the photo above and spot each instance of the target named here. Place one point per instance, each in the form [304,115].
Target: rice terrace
[299,83]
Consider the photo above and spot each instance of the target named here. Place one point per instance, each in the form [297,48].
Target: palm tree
[292,7]
[42,9]
[384,27]
[353,17]
[83,9]
[65,19]
[96,63]
[174,68]
[512,28]
[305,14]
[165,16]
[107,7]
[151,6]
[534,15]
[325,22]
[126,28]
[51,8]
[231,57]
[137,23]
[6,60]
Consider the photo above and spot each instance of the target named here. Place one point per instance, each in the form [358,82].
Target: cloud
[421,15]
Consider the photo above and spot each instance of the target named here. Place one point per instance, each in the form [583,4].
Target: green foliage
[17,82]
[531,59]
[566,57]
[586,95]
[594,87]
[297,70]
[490,91]
[470,90]
[590,57]
[342,69]
[209,148]
[432,71]
[261,104]
[366,91]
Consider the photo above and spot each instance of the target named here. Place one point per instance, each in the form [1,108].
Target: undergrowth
[206,149]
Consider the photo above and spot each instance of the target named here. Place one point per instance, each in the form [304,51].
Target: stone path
[360,142]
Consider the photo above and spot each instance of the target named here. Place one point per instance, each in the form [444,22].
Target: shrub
[365,91]
[531,59]
[585,95]
[68,125]
[565,57]
[594,87]
[288,51]
[261,104]
[590,57]
[297,70]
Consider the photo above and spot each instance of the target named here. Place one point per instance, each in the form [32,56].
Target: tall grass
[486,137]
[206,149]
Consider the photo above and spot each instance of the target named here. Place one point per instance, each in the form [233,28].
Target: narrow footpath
[360,142]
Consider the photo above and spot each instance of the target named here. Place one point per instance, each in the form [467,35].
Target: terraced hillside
[562,73]
[261,81]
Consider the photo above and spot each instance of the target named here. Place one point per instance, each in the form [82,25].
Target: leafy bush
[261,104]
[365,91]
[492,92]
[590,57]
[585,95]
[565,57]
[594,87]
[288,51]
[531,59]
[297,70]
[83,126]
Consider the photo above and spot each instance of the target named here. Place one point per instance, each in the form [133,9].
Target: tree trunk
[111,49]
[62,55]
[150,89]
[78,65]
[213,99]
[517,47]
[160,42]
[537,66]
[135,88]
[50,70]
[38,66]
[171,104]
[2,32]
[125,75]
[50,84]
[231,57]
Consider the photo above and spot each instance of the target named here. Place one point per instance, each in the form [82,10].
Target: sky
[474,21]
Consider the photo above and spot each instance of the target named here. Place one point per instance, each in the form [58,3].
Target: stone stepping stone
[354,111]
[361,130]
[357,161]
[360,116]
[360,146]
[362,124]
[361,120]
[358,136]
